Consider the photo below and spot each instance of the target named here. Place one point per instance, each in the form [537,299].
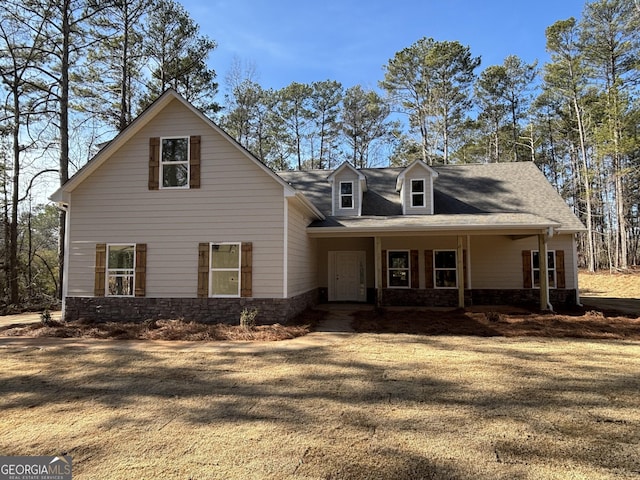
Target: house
[173,218]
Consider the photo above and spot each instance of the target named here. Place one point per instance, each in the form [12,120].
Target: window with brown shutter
[527,273]
[140,281]
[101,270]
[415,270]
[221,266]
[246,270]
[384,269]
[203,270]
[194,161]
[154,163]
[428,268]
[560,272]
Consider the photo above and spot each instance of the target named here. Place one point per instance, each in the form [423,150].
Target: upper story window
[174,162]
[418,193]
[551,268]
[120,270]
[346,195]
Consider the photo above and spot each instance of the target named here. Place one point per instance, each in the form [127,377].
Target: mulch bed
[574,324]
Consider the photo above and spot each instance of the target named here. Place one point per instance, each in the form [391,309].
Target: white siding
[346,175]
[302,256]
[237,202]
[496,261]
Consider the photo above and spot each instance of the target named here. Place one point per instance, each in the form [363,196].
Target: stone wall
[205,310]
[449,297]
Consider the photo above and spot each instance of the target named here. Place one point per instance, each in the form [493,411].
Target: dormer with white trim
[415,184]
[347,187]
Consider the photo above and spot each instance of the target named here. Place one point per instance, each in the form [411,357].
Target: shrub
[248,318]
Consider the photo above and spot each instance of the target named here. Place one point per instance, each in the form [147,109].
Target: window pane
[398,260]
[175,149]
[417,200]
[224,283]
[121,284]
[417,186]
[445,259]
[446,278]
[346,202]
[225,256]
[346,188]
[536,259]
[121,256]
[551,260]
[175,175]
[399,278]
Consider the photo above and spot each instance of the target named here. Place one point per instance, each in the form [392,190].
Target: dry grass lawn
[613,285]
[374,406]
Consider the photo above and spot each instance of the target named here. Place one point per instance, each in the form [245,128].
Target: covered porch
[386,262]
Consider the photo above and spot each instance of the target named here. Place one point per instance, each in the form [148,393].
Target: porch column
[544,272]
[377,255]
[460,269]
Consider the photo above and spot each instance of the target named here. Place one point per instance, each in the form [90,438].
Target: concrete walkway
[340,316]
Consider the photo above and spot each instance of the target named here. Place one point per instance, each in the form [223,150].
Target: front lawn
[375,406]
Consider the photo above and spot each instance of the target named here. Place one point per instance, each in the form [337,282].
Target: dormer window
[174,162]
[418,193]
[346,195]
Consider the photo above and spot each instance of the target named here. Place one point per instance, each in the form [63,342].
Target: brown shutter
[154,163]
[415,270]
[428,268]
[140,280]
[464,268]
[194,162]
[560,275]
[384,269]
[527,274]
[203,270]
[101,269]
[246,270]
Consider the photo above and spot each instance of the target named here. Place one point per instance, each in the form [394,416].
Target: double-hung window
[398,268]
[346,195]
[551,267]
[417,193]
[445,268]
[225,269]
[120,270]
[174,162]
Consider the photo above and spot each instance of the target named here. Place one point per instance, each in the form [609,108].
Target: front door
[347,279]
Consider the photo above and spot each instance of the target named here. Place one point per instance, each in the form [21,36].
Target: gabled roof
[418,163]
[61,195]
[347,166]
[491,192]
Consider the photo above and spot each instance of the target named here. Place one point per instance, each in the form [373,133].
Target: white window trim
[423,193]
[554,270]
[211,269]
[408,269]
[187,162]
[118,270]
[435,269]
[352,195]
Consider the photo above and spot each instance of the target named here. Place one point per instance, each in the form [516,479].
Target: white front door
[347,278]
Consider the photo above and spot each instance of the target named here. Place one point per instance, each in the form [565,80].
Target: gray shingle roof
[476,194]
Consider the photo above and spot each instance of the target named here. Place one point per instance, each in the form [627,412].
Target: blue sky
[350,41]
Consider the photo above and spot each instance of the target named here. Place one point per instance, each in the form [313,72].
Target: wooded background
[76,72]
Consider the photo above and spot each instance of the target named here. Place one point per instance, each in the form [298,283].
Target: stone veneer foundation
[449,297]
[205,310]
